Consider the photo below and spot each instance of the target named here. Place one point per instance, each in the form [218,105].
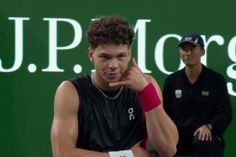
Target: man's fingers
[134,63]
[200,136]
[204,136]
[209,138]
[117,84]
[195,133]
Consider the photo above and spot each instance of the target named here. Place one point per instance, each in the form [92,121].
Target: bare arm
[64,131]
[162,132]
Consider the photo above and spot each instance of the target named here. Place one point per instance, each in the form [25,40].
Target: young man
[197,100]
[111,112]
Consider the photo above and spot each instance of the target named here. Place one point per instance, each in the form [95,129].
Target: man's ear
[90,55]
[203,52]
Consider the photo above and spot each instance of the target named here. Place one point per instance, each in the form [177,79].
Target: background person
[197,100]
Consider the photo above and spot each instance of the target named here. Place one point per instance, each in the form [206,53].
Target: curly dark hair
[110,30]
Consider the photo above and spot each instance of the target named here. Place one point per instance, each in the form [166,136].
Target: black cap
[193,38]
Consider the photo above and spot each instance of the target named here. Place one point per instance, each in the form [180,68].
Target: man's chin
[189,64]
[113,80]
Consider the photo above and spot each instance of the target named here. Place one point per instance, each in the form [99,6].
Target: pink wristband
[149,98]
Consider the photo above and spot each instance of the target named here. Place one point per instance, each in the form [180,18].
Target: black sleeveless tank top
[108,125]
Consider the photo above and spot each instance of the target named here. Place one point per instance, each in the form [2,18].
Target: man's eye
[122,56]
[104,57]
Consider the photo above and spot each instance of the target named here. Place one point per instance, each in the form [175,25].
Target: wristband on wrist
[149,98]
[122,153]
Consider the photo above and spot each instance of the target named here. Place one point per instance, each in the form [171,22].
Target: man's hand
[132,78]
[203,133]
[139,151]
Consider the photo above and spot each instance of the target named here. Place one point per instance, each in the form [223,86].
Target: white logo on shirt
[178,93]
[205,93]
[131,115]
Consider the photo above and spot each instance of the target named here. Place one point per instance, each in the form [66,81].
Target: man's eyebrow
[111,54]
[104,53]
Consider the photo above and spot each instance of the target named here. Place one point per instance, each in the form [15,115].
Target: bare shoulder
[66,98]
[66,87]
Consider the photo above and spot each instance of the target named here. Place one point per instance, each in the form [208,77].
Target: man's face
[191,54]
[110,61]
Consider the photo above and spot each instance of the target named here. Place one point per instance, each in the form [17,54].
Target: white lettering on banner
[53,47]
[231,70]
[140,30]
[18,44]
[159,51]
[217,38]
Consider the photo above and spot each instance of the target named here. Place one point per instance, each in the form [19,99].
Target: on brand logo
[131,115]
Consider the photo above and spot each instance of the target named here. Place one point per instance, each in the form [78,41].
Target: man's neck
[193,72]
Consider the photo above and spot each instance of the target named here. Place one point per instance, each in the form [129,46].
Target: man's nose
[113,64]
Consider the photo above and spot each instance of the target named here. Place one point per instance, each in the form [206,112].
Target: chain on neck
[107,97]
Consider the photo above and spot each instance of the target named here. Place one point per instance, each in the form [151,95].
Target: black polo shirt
[193,105]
